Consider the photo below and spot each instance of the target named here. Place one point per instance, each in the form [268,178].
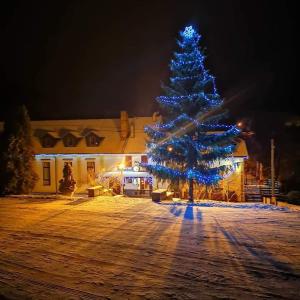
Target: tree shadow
[199,215]
[38,200]
[176,211]
[223,204]
[256,250]
[80,201]
[183,268]
[191,212]
[56,214]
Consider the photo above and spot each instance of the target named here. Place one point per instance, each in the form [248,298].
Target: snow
[126,248]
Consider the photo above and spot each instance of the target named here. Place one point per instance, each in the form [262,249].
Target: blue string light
[189,32]
[192,153]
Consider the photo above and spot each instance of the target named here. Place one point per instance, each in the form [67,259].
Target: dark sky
[85,59]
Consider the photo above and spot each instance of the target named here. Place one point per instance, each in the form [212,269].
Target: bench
[158,195]
[170,195]
[269,200]
[94,191]
[161,194]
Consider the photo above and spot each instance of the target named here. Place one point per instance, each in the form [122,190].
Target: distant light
[136,168]
[240,124]
[170,148]
[189,32]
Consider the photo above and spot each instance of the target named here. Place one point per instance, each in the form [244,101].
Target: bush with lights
[190,142]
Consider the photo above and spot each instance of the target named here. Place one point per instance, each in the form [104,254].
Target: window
[142,183]
[46,173]
[90,168]
[70,140]
[48,141]
[128,161]
[144,159]
[92,140]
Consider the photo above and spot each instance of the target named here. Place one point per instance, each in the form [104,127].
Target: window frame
[144,159]
[72,137]
[46,165]
[51,141]
[89,137]
[91,169]
[128,161]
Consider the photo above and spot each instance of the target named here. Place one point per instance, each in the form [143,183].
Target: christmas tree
[190,144]
[17,155]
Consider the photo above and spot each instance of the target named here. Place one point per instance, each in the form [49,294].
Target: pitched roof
[241,149]
[108,129]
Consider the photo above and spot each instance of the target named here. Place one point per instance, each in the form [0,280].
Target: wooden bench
[170,195]
[269,200]
[158,195]
[162,194]
[94,191]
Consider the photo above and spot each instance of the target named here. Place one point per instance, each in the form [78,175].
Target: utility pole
[272,169]
[55,170]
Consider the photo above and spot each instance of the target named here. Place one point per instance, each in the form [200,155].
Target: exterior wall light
[121,166]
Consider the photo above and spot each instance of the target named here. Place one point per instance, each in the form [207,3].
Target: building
[107,152]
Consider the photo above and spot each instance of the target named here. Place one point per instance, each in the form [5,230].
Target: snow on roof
[109,130]
[241,149]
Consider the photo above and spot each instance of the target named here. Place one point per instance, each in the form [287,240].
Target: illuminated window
[144,159]
[128,161]
[46,173]
[90,168]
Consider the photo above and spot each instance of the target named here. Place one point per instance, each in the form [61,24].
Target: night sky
[89,59]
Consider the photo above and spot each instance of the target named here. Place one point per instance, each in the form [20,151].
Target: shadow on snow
[225,205]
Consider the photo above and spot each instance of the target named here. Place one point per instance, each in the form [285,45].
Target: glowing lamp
[121,166]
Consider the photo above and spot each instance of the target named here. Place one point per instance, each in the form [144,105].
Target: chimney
[124,125]
[155,116]
[132,128]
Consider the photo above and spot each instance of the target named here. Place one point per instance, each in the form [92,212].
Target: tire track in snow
[272,272]
[58,289]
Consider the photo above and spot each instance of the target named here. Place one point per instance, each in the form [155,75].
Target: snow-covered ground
[121,248]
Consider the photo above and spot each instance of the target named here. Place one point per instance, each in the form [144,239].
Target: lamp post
[272,170]
[121,168]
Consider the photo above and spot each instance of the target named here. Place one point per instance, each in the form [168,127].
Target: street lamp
[170,148]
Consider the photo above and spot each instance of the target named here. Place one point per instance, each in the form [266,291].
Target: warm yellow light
[170,148]
[121,166]
[239,124]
